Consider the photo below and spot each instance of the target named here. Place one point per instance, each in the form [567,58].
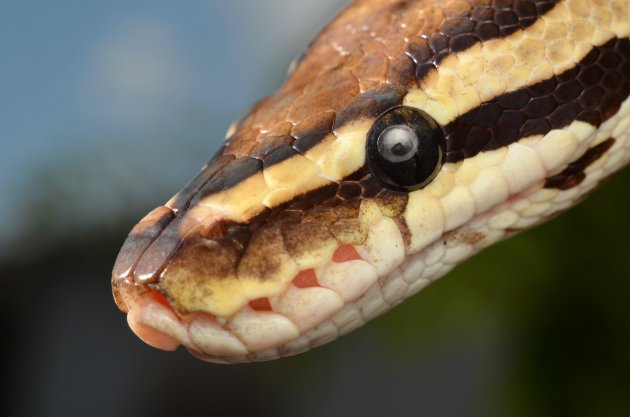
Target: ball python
[408,136]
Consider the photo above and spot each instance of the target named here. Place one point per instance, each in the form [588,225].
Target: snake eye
[404,149]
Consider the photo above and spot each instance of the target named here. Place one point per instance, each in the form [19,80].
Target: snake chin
[316,307]
[150,335]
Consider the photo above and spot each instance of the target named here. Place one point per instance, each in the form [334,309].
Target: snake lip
[265,326]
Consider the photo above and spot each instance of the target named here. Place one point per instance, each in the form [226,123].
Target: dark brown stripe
[182,199]
[485,20]
[229,176]
[158,252]
[280,154]
[140,238]
[315,125]
[268,146]
[305,143]
[574,174]
[370,104]
[592,92]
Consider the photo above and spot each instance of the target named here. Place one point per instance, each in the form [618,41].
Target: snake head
[410,136]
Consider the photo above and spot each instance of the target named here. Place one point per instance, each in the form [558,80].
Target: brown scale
[574,174]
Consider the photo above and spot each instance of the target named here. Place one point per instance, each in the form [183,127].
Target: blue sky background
[107,108]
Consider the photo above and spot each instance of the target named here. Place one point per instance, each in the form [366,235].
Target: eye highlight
[404,149]
[397,143]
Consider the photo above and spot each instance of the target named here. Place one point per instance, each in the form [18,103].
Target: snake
[409,136]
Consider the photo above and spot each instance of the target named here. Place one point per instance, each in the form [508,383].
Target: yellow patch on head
[291,173]
[290,178]
[241,202]
[347,153]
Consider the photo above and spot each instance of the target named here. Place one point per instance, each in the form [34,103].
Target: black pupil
[405,149]
[401,149]
[397,143]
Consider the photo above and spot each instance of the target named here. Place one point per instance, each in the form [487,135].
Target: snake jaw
[269,325]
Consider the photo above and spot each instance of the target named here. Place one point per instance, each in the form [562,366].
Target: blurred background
[108,108]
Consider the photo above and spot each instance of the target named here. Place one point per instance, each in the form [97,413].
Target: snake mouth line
[267,327]
[264,323]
